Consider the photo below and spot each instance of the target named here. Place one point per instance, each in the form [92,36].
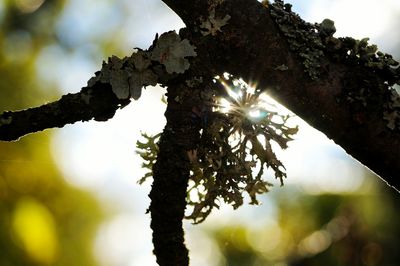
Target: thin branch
[171,174]
[98,103]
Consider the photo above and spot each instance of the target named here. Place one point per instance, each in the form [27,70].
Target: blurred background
[70,196]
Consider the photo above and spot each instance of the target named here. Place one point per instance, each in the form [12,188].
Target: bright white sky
[101,157]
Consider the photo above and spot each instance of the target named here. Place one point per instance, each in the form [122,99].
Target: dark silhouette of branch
[171,174]
[98,103]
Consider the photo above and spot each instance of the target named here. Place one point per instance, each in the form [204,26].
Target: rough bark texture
[251,46]
[171,175]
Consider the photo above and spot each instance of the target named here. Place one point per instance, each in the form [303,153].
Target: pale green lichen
[235,149]
[212,25]
[303,37]
[126,76]
[148,150]
[373,83]
[141,75]
[171,52]
[368,86]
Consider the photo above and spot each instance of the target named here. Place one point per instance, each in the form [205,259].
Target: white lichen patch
[212,25]
[126,76]
[171,51]
[141,76]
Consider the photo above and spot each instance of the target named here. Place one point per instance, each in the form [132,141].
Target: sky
[101,158]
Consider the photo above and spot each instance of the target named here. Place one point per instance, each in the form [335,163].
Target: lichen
[141,75]
[171,52]
[369,84]
[234,150]
[212,25]
[126,76]
[303,38]
[148,150]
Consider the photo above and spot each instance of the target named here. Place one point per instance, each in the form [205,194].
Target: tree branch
[171,173]
[98,103]
[333,91]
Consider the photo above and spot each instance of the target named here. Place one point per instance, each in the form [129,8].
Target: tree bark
[98,103]
[171,174]
[251,46]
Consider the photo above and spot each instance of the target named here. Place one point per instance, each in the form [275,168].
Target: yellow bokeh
[35,231]
[28,6]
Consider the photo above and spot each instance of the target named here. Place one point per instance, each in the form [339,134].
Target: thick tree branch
[252,46]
